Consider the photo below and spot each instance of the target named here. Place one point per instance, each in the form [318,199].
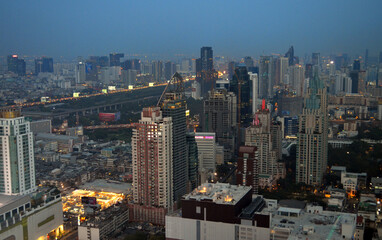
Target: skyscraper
[220,114]
[193,161]
[80,72]
[17,169]
[248,61]
[43,64]
[263,135]
[115,59]
[207,73]
[16,65]
[312,137]
[241,87]
[174,106]
[316,60]
[284,70]
[153,160]
[290,56]
[264,76]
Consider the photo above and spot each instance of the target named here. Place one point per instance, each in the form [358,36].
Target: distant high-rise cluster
[16,65]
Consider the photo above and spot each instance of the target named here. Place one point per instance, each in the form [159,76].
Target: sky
[166,28]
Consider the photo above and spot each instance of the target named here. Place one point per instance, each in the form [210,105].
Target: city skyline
[172,28]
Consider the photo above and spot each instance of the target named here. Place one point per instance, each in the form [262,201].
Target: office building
[80,72]
[264,76]
[312,137]
[115,59]
[220,211]
[157,70]
[284,70]
[43,64]
[93,67]
[206,150]
[290,56]
[296,75]
[254,77]
[169,70]
[316,60]
[16,65]
[248,61]
[134,64]
[220,112]
[174,107]
[205,70]
[152,160]
[241,87]
[356,65]
[193,161]
[247,168]
[17,169]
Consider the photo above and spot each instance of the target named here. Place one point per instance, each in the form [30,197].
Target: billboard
[89,200]
[109,117]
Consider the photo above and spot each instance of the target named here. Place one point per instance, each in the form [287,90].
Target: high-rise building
[312,137]
[356,65]
[17,169]
[220,116]
[290,56]
[134,64]
[94,65]
[241,87]
[174,106]
[248,61]
[264,76]
[115,59]
[206,150]
[265,136]
[354,75]
[296,75]
[207,73]
[193,161]
[247,168]
[316,60]
[153,160]
[43,64]
[157,70]
[231,70]
[169,70]
[16,65]
[254,77]
[284,70]
[80,72]
[366,59]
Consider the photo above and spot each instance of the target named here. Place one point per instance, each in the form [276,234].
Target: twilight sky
[163,28]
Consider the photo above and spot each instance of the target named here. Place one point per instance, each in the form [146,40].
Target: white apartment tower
[17,169]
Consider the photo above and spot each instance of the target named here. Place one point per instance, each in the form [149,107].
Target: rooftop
[219,193]
[327,225]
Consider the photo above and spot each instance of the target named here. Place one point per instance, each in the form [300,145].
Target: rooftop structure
[219,193]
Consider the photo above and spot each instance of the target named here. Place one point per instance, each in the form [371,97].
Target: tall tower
[220,112]
[241,87]
[265,135]
[312,136]
[206,68]
[174,106]
[152,160]
[264,76]
[17,169]
[115,59]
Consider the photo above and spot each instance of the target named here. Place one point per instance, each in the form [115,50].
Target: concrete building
[267,138]
[219,211]
[104,224]
[312,138]
[247,168]
[206,150]
[220,116]
[41,126]
[22,218]
[80,72]
[17,169]
[153,160]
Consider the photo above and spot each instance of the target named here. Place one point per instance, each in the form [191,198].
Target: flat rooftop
[57,137]
[219,193]
[326,225]
[103,185]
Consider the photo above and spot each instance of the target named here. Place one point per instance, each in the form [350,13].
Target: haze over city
[169,28]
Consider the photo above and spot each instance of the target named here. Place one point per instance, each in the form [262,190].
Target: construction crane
[177,89]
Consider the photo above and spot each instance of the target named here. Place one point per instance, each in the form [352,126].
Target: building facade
[312,137]
[17,169]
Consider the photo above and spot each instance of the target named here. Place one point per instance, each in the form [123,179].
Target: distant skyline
[166,28]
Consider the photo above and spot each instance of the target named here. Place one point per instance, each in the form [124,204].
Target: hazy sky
[235,28]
